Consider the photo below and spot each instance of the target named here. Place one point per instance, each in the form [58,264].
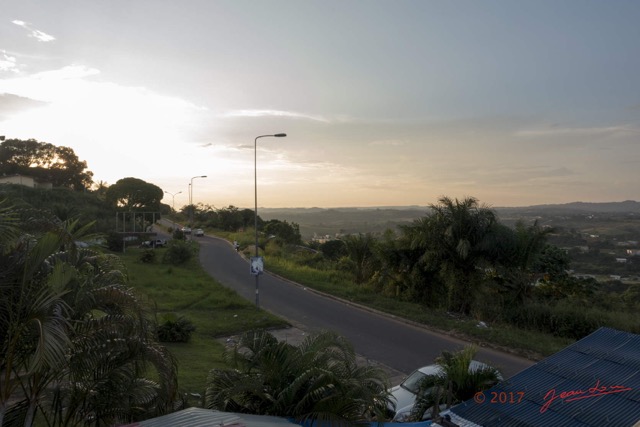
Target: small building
[27,181]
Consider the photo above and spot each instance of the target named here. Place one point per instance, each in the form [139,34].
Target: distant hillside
[323,221]
[628,206]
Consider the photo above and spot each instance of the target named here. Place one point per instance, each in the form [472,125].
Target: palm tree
[360,250]
[33,327]
[74,340]
[455,236]
[515,254]
[459,378]
[317,380]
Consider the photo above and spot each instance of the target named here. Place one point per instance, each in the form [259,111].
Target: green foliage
[333,249]
[133,194]
[44,162]
[73,337]
[283,231]
[175,328]
[178,234]
[456,238]
[147,256]
[567,319]
[179,252]
[317,380]
[456,382]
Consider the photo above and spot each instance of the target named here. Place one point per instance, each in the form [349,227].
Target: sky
[384,102]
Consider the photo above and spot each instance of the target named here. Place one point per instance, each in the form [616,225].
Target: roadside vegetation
[458,269]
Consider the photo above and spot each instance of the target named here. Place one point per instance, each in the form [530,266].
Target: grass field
[215,311]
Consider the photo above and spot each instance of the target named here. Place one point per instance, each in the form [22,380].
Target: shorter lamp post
[173,199]
[257,263]
[191,207]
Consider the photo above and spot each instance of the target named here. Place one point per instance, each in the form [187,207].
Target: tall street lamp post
[191,207]
[256,263]
[173,199]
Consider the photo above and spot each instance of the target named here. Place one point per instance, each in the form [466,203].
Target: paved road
[379,338]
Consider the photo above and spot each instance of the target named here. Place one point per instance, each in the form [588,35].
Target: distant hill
[346,220]
[628,206]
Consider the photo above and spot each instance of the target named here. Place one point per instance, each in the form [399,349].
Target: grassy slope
[215,311]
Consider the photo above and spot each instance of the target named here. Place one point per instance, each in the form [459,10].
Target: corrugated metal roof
[594,382]
[199,417]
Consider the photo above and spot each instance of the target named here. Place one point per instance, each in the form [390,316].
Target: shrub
[148,256]
[178,252]
[175,329]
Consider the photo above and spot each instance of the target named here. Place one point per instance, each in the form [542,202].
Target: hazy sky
[384,102]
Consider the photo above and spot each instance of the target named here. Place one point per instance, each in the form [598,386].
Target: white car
[199,232]
[405,394]
[186,230]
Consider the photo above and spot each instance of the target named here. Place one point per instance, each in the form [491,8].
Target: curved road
[396,344]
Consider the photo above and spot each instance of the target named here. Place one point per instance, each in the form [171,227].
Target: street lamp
[191,208]
[258,262]
[173,198]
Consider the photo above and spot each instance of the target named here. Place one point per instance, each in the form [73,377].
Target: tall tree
[515,253]
[455,237]
[317,380]
[361,251]
[284,231]
[45,162]
[133,194]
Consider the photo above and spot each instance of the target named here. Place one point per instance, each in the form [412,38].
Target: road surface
[381,338]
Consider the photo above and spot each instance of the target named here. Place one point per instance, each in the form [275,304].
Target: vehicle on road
[186,230]
[199,232]
[405,394]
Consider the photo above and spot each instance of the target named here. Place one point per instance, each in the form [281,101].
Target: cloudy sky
[385,103]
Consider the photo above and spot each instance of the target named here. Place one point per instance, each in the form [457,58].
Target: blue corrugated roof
[594,382]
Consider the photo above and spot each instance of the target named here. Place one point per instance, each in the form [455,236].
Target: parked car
[199,232]
[186,230]
[406,393]
[158,243]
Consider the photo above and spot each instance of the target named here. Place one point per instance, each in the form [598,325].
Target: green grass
[215,311]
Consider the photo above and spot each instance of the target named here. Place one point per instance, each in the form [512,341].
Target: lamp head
[280,135]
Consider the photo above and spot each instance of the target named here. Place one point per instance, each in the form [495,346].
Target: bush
[562,320]
[178,252]
[175,329]
[114,242]
[148,256]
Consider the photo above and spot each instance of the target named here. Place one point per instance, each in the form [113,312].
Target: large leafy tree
[45,162]
[134,194]
[284,231]
[75,342]
[317,380]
